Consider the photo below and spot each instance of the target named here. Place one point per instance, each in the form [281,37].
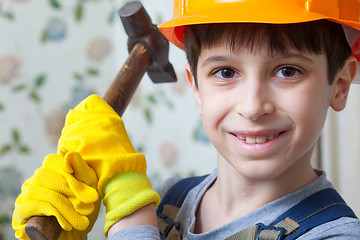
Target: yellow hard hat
[189,12]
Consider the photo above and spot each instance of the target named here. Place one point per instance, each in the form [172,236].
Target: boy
[263,92]
[264,74]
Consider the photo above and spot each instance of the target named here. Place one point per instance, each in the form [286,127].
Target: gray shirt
[343,228]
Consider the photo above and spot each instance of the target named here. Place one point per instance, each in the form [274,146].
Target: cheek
[214,108]
[210,110]
[308,111]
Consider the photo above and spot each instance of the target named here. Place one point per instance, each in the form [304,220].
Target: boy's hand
[97,133]
[64,187]
[94,133]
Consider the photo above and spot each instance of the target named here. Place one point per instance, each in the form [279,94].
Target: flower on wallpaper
[55,30]
[169,154]
[199,133]
[99,48]
[9,68]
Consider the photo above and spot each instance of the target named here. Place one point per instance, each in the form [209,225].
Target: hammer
[149,51]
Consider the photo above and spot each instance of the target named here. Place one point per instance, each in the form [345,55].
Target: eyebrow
[220,58]
[216,58]
[294,55]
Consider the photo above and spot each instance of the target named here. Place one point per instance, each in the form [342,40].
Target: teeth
[253,140]
[260,139]
[270,137]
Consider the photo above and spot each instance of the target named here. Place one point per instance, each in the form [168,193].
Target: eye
[225,73]
[287,72]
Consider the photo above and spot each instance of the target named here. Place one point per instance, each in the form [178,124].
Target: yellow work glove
[97,132]
[97,135]
[64,187]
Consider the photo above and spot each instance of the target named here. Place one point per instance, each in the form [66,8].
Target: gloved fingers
[64,184]
[54,174]
[85,181]
[48,179]
[72,214]
[20,231]
[75,164]
[67,233]
[81,191]
[53,190]
[81,207]
[53,161]
[80,235]
[24,212]
[49,202]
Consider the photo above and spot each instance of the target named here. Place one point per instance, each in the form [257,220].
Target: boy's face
[263,113]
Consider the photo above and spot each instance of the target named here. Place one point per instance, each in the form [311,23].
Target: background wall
[54,53]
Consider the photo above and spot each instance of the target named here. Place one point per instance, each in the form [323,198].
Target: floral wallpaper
[53,54]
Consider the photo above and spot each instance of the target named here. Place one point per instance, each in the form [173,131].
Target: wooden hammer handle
[124,85]
[117,96]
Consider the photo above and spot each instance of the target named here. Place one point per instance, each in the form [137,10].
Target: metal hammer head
[139,28]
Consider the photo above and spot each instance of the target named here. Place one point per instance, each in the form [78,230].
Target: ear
[191,79]
[342,82]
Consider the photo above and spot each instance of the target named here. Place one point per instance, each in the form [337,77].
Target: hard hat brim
[173,29]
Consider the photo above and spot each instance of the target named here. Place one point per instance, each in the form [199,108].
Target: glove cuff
[124,194]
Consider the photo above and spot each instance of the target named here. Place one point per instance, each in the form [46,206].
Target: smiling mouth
[257,140]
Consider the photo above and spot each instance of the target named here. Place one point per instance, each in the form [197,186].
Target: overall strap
[321,207]
[170,205]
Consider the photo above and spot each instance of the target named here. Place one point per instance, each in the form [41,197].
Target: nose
[255,100]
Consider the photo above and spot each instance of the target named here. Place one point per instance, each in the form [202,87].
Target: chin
[261,171]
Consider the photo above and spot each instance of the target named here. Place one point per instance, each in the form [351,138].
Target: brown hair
[317,37]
